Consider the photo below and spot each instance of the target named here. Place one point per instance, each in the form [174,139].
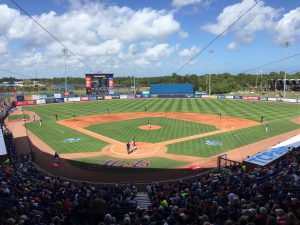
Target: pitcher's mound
[153,127]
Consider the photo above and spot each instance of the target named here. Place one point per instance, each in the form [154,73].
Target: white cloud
[232,46]
[181,3]
[260,18]
[288,27]
[2,45]
[189,52]
[101,35]
[183,34]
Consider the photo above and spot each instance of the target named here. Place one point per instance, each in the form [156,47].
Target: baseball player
[266,128]
[128,147]
[149,124]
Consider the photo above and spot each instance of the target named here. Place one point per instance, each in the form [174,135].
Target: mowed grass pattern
[276,114]
[125,130]
[229,140]
[55,135]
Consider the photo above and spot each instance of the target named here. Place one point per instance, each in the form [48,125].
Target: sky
[147,37]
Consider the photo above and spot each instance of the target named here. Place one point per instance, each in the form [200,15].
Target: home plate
[195,167]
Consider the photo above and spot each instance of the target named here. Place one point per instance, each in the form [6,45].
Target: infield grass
[170,129]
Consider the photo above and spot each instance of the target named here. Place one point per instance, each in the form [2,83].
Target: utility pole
[65,52]
[134,85]
[256,81]
[286,44]
[260,81]
[210,51]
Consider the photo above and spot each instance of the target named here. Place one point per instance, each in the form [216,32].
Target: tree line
[220,83]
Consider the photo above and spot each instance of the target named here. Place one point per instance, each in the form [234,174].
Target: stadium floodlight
[65,52]
[210,51]
[286,44]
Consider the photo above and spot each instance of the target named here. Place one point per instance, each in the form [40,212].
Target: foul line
[59,130]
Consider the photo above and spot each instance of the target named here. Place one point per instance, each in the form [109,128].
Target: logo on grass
[125,164]
[72,140]
[212,142]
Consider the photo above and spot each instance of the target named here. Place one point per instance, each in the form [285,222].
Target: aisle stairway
[142,200]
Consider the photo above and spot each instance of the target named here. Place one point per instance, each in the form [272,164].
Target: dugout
[172,90]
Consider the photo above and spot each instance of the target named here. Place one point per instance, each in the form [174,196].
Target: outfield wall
[45,99]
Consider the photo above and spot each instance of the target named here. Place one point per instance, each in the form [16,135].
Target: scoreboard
[99,84]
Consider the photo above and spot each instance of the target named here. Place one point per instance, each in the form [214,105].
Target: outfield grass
[18,117]
[154,162]
[276,114]
[125,130]
[55,136]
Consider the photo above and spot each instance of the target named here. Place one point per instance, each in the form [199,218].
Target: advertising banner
[204,96]
[50,100]
[229,97]
[92,98]
[154,96]
[40,101]
[290,100]
[138,96]
[221,96]
[116,97]
[57,95]
[146,96]
[237,97]
[145,92]
[88,82]
[197,96]
[189,96]
[100,97]
[212,96]
[85,98]
[123,96]
[272,99]
[130,96]
[111,85]
[250,98]
[26,102]
[279,99]
[59,100]
[263,98]
[20,98]
[107,97]
[271,154]
[35,97]
[74,99]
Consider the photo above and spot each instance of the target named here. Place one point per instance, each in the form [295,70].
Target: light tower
[210,52]
[286,44]
[65,52]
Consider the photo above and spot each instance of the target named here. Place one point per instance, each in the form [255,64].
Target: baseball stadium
[196,145]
